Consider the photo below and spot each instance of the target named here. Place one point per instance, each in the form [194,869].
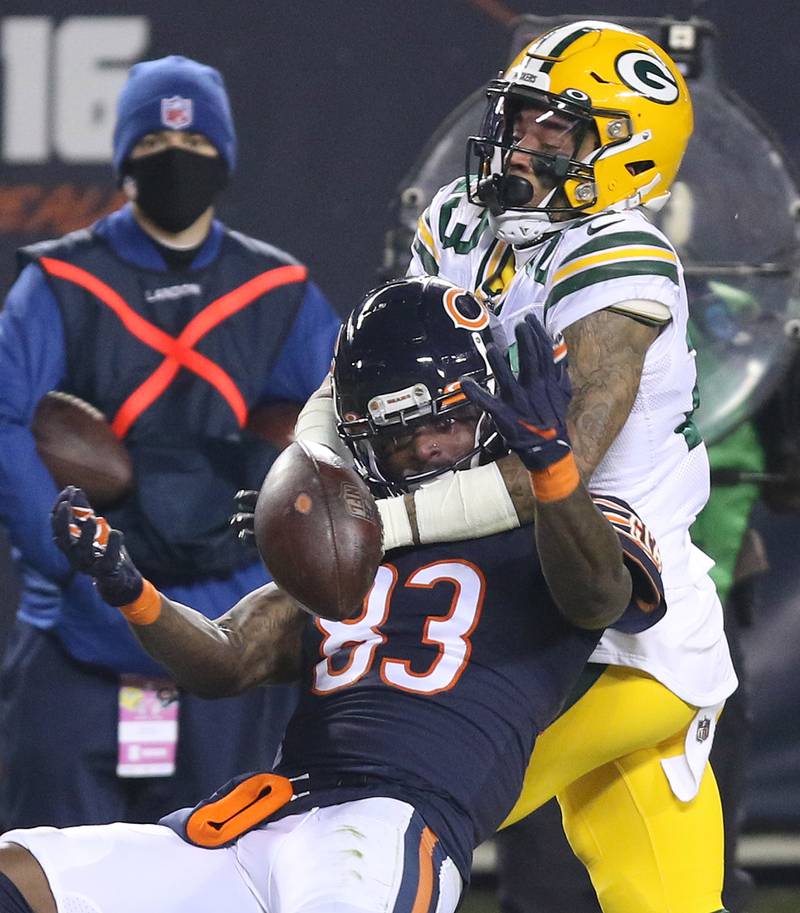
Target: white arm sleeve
[317,422]
[397,532]
[468,505]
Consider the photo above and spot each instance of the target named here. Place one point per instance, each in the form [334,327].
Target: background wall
[333,100]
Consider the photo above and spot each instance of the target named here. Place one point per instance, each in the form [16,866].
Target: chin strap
[656,204]
[518,228]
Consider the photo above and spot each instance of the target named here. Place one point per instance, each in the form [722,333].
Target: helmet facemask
[562,127]
[373,438]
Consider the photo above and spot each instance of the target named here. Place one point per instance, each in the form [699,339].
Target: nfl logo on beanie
[176,112]
[174,93]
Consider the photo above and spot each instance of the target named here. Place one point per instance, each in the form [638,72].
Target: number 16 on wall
[60,84]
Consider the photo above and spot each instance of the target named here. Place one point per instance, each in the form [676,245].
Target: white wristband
[397,531]
[467,505]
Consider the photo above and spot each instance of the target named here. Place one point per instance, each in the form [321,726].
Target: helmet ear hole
[640,167]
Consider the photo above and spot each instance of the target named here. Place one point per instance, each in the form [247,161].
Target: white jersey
[658,463]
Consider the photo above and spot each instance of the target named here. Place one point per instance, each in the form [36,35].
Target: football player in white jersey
[583,135]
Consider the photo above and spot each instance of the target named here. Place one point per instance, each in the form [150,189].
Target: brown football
[77,445]
[318,530]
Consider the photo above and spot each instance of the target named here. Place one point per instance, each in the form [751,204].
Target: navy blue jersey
[436,692]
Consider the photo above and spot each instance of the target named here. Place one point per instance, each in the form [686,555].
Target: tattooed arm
[606,356]
[256,643]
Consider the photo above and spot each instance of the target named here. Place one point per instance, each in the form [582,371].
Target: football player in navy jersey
[418,716]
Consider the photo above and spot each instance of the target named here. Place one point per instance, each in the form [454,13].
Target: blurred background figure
[198,344]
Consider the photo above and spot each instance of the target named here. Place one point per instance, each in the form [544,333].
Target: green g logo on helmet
[648,76]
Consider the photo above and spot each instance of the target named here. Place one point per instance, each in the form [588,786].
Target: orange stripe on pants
[422,902]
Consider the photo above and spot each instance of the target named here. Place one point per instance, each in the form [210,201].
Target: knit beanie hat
[174,93]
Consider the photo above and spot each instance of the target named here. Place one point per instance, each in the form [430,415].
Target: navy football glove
[530,411]
[93,548]
[243,521]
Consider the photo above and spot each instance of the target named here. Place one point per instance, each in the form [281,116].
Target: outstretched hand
[529,411]
[94,548]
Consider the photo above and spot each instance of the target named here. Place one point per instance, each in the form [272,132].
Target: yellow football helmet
[588,76]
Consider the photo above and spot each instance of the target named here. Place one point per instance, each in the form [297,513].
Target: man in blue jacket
[175,327]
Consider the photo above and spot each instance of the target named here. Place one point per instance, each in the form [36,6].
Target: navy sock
[11,901]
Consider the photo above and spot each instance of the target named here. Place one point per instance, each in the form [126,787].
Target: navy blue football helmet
[398,364]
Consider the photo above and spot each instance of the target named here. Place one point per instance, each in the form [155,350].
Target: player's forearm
[607,353]
[582,560]
[317,421]
[257,642]
[199,654]
[472,504]
[594,421]
[606,359]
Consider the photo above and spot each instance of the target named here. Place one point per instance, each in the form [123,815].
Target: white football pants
[370,855]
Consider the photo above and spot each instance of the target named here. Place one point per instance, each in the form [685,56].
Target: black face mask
[175,187]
